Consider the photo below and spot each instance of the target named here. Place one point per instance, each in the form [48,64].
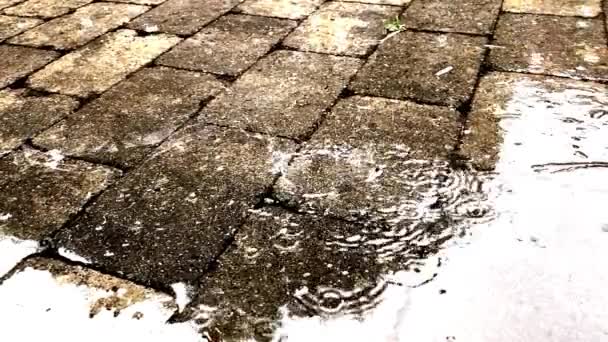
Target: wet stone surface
[101,64]
[80,27]
[581,8]
[465,16]
[19,61]
[182,16]
[280,8]
[431,68]
[283,94]
[342,28]
[23,114]
[559,46]
[167,220]
[45,8]
[228,46]
[129,120]
[10,26]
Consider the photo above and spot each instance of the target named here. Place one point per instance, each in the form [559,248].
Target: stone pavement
[231,170]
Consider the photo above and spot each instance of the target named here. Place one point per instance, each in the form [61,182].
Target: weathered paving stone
[558,46]
[45,8]
[80,27]
[169,218]
[39,192]
[127,121]
[583,8]
[102,63]
[19,61]
[10,26]
[23,115]
[465,16]
[382,2]
[7,3]
[280,8]
[182,16]
[562,107]
[342,28]
[142,2]
[433,68]
[228,46]
[283,94]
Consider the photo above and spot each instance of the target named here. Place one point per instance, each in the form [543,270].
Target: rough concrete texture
[427,67]
[23,114]
[182,16]
[382,2]
[464,16]
[283,94]
[581,8]
[10,26]
[19,61]
[142,2]
[41,191]
[80,27]
[342,28]
[280,8]
[7,3]
[101,64]
[45,8]
[559,46]
[229,45]
[127,121]
[168,219]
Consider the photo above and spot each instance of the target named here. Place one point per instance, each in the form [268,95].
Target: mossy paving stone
[130,119]
[18,61]
[10,26]
[168,219]
[45,8]
[427,67]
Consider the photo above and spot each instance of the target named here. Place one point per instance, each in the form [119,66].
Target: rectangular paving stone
[381,2]
[559,46]
[342,28]
[229,45]
[45,8]
[280,8]
[283,94]
[182,16]
[23,116]
[10,26]
[582,8]
[464,16]
[127,121]
[169,218]
[142,2]
[19,61]
[7,3]
[102,63]
[523,114]
[80,27]
[427,67]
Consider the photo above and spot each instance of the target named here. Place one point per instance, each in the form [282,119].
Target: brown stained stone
[342,28]
[280,8]
[127,121]
[10,26]
[465,16]
[228,46]
[39,191]
[19,61]
[559,46]
[101,64]
[142,2]
[80,27]
[182,16]
[582,8]
[22,116]
[283,94]
[7,3]
[168,219]
[45,8]
[381,2]
[427,67]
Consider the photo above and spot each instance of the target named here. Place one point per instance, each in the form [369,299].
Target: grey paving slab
[10,25]
[582,8]
[559,46]
[168,219]
[20,61]
[427,67]
[283,94]
[80,27]
[229,45]
[23,115]
[280,8]
[130,119]
[45,8]
[464,16]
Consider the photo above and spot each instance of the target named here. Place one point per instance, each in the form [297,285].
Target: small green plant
[394,25]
